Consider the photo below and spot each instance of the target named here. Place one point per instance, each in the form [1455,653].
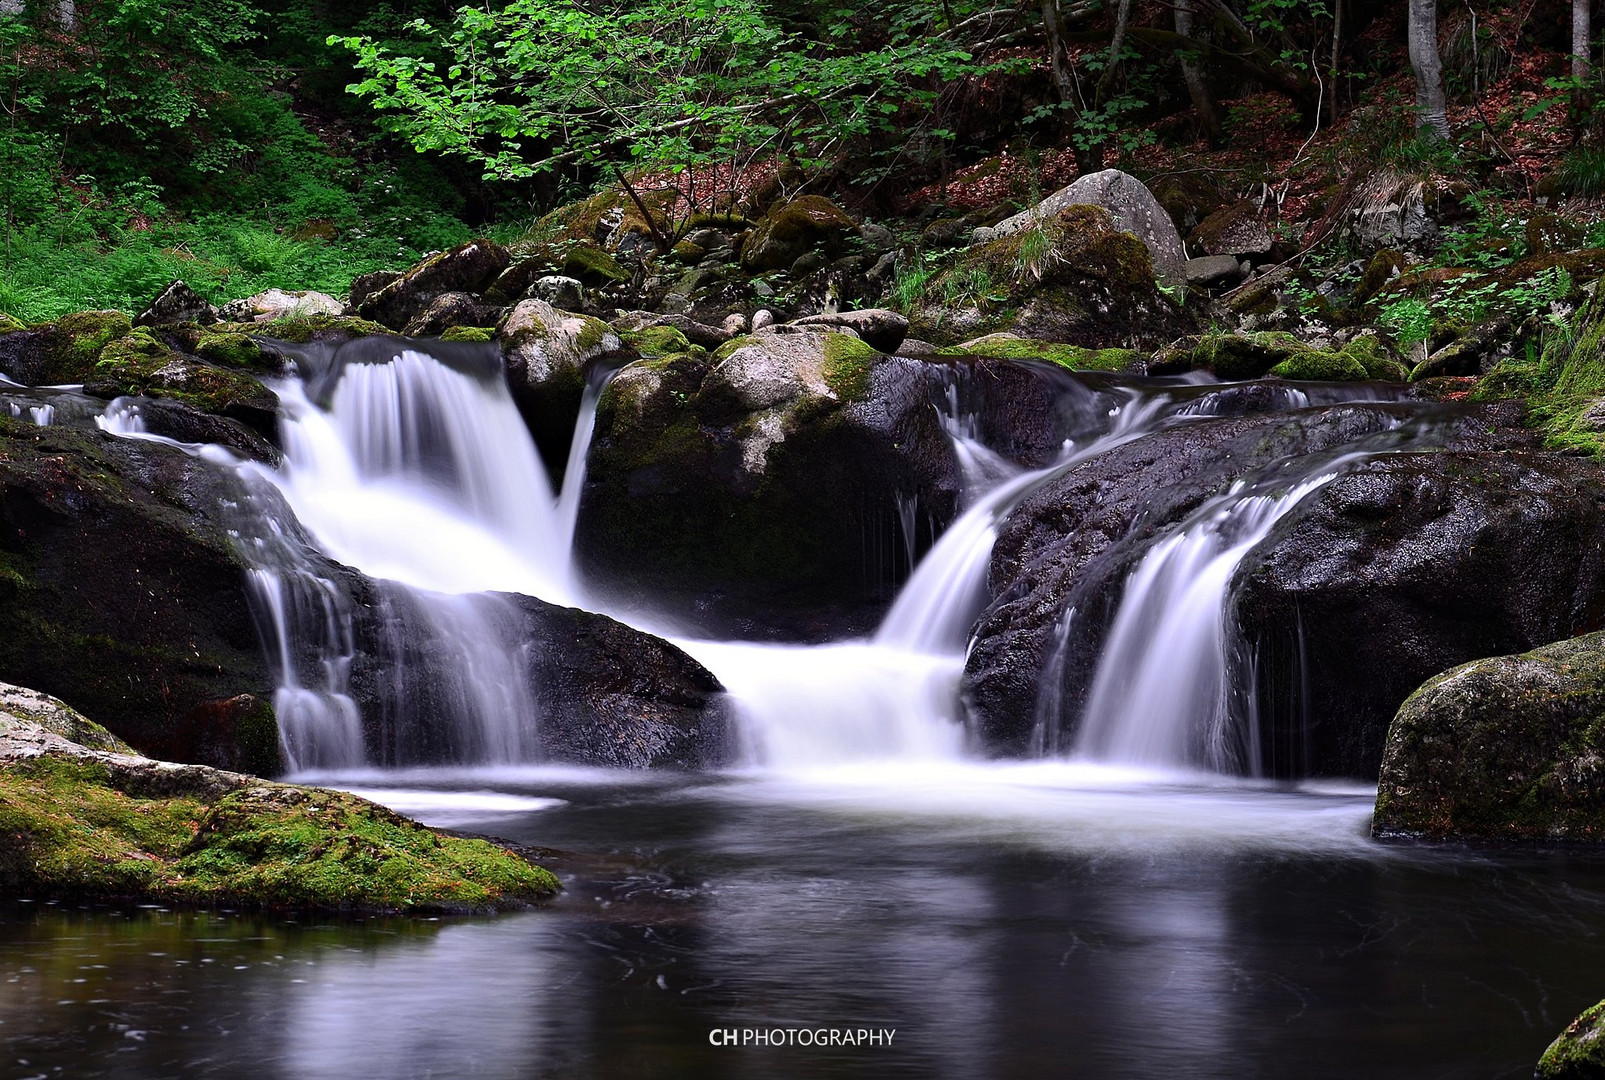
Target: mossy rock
[847,365]
[8,325]
[1073,357]
[1578,1053]
[80,830]
[142,364]
[1316,365]
[1236,357]
[690,254]
[469,333]
[71,345]
[234,351]
[657,341]
[1072,278]
[591,264]
[300,329]
[1508,748]
[1372,354]
[809,223]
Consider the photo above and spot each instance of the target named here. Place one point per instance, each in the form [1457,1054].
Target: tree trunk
[1089,159]
[1332,68]
[1431,107]
[1193,76]
[1580,35]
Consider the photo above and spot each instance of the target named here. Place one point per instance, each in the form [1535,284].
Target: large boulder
[1073,542]
[1404,567]
[611,695]
[274,304]
[549,353]
[467,268]
[757,489]
[1508,748]
[1235,230]
[122,593]
[810,223]
[1130,205]
[1075,278]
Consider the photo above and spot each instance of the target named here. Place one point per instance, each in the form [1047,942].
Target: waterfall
[1162,694]
[895,697]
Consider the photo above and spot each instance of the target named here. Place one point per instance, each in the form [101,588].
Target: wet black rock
[1073,543]
[1406,567]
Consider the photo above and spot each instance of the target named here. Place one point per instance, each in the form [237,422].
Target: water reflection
[1014,924]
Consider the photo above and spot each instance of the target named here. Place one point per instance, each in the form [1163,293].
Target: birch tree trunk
[1431,106]
[1193,75]
[1581,33]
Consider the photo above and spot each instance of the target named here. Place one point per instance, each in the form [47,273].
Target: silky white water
[1162,693]
[425,478]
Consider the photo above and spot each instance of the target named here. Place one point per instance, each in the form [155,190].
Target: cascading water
[896,696]
[1163,692]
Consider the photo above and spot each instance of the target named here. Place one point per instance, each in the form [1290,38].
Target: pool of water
[1025,920]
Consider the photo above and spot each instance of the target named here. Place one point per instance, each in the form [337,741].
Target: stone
[761,318]
[548,353]
[735,323]
[787,232]
[365,285]
[1075,278]
[1130,205]
[1235,230]
[740,491]
[559,290]
[1578,1053]
[1214,270]
[274,304]
[177,303]
[453,309]
[1507,748]
[883,329]
[468,268]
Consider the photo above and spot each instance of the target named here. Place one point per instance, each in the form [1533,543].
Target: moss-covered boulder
[1509,748]
[810,223]
[64,351]
[1237,357]
[1578,1053]
[1073,357]
[548,353]
[745,488]
[453,309]
[1130,206]
[1073,278]
[121,591]
[1568,382]
[87,824]
[467,268]
[143,364]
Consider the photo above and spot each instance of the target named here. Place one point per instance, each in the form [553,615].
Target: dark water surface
[1010,921]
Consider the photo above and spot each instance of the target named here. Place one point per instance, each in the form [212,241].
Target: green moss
[590,263]
[77,830]
[848,361]
[1578,1053]
[1315,365]
[469,333]
[1369,351]
[74,341]
[141,363]
[301,329]
[9,325]
[1074,357]
[592,332]
[232,350]
[723,352]
[657,341]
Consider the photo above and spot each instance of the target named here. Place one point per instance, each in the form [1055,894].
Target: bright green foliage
[663,84]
